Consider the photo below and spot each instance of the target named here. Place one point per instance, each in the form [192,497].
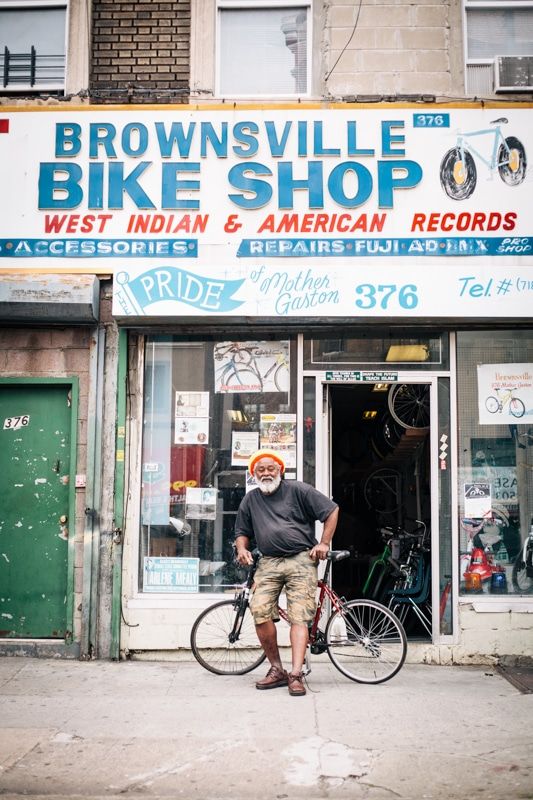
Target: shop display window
[410,350]
[495,490]
[208,405]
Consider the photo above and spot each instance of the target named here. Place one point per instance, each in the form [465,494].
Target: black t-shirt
[283,523]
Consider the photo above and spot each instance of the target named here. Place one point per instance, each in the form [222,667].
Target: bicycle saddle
[499,121]
[338,555]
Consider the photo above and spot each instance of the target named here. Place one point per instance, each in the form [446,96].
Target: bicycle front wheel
[211,645]
[366,641]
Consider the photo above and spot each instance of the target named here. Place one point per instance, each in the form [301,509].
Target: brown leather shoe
[275,677]
[296,684]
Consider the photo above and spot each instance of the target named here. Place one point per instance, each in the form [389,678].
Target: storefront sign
[338,211]
[357,375]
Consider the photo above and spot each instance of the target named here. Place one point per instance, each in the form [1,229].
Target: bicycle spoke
[374,646]
[211,645]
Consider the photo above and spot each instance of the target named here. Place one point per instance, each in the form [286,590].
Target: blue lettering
[287,185]
[246,132]
[387,139]
[388,183]
[171,185]
[277,146]
[118,184]
[261,189]
[69,187]
[219,145]
[336,184]
[142,145]
[320,150]
[67,139]
[102,134]
[183,141]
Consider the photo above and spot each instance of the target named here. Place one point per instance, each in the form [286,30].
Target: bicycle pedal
[306,670]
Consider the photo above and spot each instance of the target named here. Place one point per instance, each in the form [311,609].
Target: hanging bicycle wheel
[382,490]
[366,641]
[211,645]
[409,404]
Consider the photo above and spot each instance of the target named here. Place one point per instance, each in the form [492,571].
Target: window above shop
[33,46]
[263,48]
[499,46]
[416,351]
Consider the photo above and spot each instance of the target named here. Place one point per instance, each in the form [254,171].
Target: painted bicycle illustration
[496,403]
[458,173]
[252,366]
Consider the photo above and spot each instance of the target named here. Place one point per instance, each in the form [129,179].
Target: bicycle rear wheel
[211,645]
[366,641]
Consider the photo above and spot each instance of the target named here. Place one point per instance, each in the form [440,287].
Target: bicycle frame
[325,592]
[498,139]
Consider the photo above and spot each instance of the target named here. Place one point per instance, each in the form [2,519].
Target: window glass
[263,51]
[499,31]
[495,491]
[32,47]
[427,351]
[207,406]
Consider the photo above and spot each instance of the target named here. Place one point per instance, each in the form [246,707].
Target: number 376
[386,294]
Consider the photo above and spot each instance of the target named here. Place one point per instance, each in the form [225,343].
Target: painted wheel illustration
[512,161]
[516,407]
[458,174]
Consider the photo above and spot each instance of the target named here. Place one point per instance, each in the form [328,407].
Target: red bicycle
[364,639]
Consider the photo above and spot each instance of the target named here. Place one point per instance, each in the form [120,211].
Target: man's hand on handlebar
[319,552]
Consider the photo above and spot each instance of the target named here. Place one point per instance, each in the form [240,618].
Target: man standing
[280,516]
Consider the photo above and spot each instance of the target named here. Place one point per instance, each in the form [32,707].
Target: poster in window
[278,432]
[191,418]
[243,445]
[201,503]
[505,394]
[251,367]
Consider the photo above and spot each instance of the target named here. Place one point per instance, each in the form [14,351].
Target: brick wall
[140,51]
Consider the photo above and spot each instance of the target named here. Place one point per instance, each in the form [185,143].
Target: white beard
[269,485]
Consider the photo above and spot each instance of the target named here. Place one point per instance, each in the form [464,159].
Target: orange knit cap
[255,457]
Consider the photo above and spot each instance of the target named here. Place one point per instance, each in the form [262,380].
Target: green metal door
[35,453]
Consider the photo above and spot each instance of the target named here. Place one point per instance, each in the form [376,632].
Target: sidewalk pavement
[72,729]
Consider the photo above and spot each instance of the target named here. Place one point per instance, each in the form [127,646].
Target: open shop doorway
[380,469]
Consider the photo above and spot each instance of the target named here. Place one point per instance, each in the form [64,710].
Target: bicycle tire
[409,405]
[380,492]
[212,648]
[244,380]
[512,161]
[366,641]
[522,583]
[282,378]
[516,407]
[491,404]
[458,175]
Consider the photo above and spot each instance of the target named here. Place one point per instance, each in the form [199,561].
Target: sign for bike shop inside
[281,211]
[505,394]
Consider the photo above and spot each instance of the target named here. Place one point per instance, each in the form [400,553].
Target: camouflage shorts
[298,576]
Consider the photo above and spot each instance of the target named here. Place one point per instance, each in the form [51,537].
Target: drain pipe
[119,520]
[91,533]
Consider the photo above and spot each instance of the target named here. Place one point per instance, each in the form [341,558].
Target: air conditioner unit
[513,74]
